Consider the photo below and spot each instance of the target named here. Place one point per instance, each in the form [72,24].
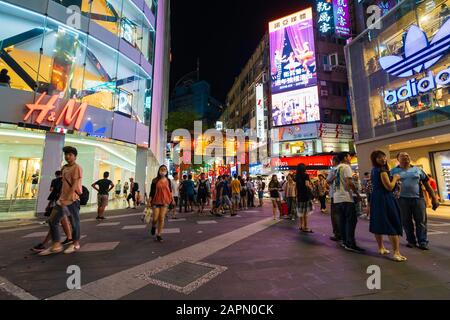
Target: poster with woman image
[292,52]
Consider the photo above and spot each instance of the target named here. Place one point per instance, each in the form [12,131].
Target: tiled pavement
[271,261]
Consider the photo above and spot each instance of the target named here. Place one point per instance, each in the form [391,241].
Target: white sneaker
[71,249]
[51,251]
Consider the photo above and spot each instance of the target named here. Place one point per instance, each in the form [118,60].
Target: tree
[182,119]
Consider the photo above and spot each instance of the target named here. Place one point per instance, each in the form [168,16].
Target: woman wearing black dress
[304,198]
[385,218]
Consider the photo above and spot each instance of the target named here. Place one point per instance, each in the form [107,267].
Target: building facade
[309,86]
[90,74]
[196,96]
[399,80]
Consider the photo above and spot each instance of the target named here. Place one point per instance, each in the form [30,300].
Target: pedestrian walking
[335,220]
[126,187]
[161,197]
[189,190]
[322,191]
[134,194]
[103,187]
[385,218]
[35,183]
[274,189]
[236,192]
[344,201]
[304,197]
[55,192]
[412,203]
[290,191]
[250,192]
[261,186]
[244,204]
[226,194]
[203,190]
[176,194]
[68,204]
[118,189]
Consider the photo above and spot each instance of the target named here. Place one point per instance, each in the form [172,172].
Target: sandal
[384,252]
[399,259]
[307,231]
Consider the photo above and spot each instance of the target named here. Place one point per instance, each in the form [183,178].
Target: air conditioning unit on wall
[323,93]
[327,68]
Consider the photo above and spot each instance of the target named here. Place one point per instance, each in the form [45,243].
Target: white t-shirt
[175,186]
[342,193]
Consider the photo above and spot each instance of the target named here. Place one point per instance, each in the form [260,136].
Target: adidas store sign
[420,55]
[414,87]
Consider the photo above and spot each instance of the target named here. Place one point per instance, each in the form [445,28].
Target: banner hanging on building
[260,127]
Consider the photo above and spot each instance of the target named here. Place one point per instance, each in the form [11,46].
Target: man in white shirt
[344,204]
[176,193]
[335,221]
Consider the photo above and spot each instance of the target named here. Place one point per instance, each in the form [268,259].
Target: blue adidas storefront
[400,88]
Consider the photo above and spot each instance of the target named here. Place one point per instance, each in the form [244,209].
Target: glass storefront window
[20,43]
[62,61]
[385,100]
[442,166]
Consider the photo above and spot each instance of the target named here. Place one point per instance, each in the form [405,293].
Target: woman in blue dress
[385,216]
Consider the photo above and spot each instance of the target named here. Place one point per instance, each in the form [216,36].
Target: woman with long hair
[385,218]
[274,189]
[161,197]
[304,198]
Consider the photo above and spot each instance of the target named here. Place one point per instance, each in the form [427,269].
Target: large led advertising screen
[294,107]
[292,52]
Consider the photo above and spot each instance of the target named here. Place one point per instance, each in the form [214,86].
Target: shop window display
[386,101]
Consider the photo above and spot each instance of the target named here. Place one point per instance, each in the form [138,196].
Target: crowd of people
[396,201]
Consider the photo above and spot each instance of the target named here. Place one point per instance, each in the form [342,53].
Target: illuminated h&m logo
[420,55]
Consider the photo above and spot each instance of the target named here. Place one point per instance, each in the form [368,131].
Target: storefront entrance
[442,172]
[21,174]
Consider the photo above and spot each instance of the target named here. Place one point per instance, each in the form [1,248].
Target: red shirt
[163,196]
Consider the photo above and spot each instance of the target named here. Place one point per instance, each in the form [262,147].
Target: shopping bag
[148,215]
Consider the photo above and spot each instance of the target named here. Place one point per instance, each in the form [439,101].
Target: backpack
[263,186]
[84,196]
[202,187]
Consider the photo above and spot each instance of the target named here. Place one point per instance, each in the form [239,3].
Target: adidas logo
[419,56]
[419,53]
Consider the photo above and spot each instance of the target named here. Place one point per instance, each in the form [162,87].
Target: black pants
[335,221]
[348,221]
[250,199]
[323,202]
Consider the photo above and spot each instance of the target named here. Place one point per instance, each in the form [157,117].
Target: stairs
[18,205]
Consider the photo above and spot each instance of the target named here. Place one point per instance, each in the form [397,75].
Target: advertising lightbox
[295,107]
[292,52]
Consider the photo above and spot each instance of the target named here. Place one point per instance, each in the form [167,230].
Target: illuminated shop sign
[69,115]
[341,18]
[325,17]
[260,128]
[420,55]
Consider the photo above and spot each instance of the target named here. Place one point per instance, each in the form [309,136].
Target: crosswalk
[89,247]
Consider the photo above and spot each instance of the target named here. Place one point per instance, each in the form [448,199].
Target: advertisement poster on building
[298,132]
[292,52]
[260,127]
[296,107]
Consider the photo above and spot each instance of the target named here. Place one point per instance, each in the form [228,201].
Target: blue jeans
[414,213]
[73,212]
[292,205]
[347,215]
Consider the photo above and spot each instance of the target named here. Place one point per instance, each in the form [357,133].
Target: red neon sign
[67,116]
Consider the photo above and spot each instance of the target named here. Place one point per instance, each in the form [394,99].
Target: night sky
[223,34]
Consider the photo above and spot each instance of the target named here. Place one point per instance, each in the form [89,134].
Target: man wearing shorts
[203,191]
[103,187]
[226,194]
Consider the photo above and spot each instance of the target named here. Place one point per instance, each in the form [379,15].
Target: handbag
[49,208]
[148,213]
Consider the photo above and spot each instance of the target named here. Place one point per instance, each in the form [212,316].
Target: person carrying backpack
[203,192]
